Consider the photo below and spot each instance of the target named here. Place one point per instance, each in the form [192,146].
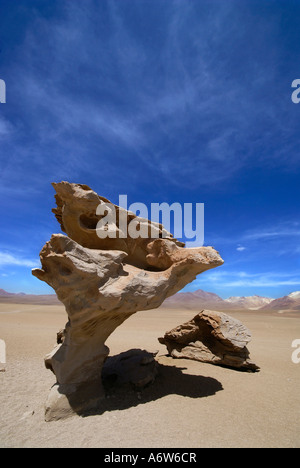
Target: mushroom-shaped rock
[102,282]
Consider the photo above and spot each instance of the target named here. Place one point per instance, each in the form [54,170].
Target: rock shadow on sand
[170,380]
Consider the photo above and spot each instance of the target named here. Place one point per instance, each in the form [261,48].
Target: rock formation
[211,337]
[102,282]
[76,212]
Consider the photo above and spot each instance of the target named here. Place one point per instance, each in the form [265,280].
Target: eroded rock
[102,282]
[76,212]
[211,337]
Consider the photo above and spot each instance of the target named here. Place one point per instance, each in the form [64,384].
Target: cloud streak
[272,234]
[231,279]
[169,107]
[7,260]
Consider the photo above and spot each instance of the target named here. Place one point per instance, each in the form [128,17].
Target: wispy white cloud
[169,106]
[269,234]
[232,279]
[261,283]
[6,127]
[7,259]
[277,233]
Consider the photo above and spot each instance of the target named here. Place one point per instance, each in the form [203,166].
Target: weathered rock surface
[76,212]
[102,282]
[211,337]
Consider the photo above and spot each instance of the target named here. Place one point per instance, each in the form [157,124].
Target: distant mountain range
[8,294]
[190,300]
[22,298]
[206,300]
[290,302]
[249,302]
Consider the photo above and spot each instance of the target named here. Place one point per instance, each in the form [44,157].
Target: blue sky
[165,101]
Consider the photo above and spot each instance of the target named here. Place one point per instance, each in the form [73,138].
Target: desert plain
[190,404]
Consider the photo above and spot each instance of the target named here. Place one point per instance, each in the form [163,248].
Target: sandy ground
[190,405]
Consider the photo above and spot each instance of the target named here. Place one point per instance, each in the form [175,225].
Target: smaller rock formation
[211,337]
